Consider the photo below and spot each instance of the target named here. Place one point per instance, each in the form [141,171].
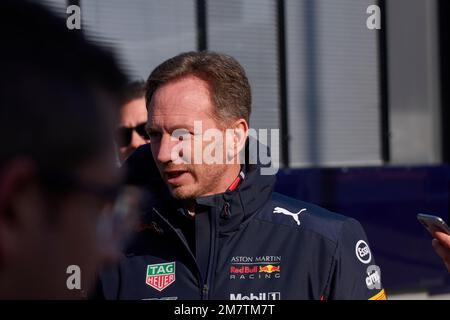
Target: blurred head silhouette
[58,112]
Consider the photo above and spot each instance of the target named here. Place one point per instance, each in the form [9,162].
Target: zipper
[212,252]
[202,284]
[205,292]
[226,211]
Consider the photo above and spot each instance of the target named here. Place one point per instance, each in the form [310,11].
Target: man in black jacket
[221,232]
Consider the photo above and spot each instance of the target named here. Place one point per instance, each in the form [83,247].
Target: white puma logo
[294,215]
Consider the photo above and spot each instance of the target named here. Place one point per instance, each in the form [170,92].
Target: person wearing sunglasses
[131,132]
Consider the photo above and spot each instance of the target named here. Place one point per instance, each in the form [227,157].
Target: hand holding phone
[433,223]
[441,243]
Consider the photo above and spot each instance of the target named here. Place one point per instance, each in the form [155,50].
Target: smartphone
[433,223]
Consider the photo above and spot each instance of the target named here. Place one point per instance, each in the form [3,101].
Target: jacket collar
[234,208]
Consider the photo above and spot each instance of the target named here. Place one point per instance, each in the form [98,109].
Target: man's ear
[238,138]
[17,182]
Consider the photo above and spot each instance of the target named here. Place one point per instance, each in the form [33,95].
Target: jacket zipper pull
[226,212]
[205,290]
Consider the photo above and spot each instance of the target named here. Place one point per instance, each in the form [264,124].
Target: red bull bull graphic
[269,268]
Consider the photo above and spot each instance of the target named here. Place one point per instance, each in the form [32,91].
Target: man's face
[132,115]
[76,233]
[48,231]
[47,226]
[176,105]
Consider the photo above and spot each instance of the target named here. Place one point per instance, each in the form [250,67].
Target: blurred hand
[441,245]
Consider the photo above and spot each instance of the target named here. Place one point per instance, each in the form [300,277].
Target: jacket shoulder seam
[292,227]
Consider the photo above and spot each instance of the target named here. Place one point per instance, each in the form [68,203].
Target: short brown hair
[133,90]
[228,85]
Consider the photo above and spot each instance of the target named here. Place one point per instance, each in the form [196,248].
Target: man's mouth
[175,176]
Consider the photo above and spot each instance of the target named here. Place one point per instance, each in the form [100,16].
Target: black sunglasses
[123,134]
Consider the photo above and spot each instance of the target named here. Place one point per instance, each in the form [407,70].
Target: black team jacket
[249,243]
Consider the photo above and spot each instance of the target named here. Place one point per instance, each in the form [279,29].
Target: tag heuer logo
[161,275]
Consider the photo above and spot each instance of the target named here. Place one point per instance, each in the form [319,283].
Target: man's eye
[181,134]
[187,136]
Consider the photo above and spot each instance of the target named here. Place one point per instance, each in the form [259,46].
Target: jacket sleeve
[354,273]
[107,286]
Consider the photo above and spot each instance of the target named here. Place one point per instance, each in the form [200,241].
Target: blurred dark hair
[133,90]
[51,83]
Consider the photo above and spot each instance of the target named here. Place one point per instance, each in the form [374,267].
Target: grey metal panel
[333,88]
[413,64]
[144,32]
[247,30]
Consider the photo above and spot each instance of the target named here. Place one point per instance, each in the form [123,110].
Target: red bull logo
[269,268]
[244,269]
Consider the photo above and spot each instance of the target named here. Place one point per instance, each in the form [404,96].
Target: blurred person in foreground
[131,132]
[441,244]
[58,108]
[221,232]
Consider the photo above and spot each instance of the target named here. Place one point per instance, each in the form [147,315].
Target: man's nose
[164,152]
[136,141]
